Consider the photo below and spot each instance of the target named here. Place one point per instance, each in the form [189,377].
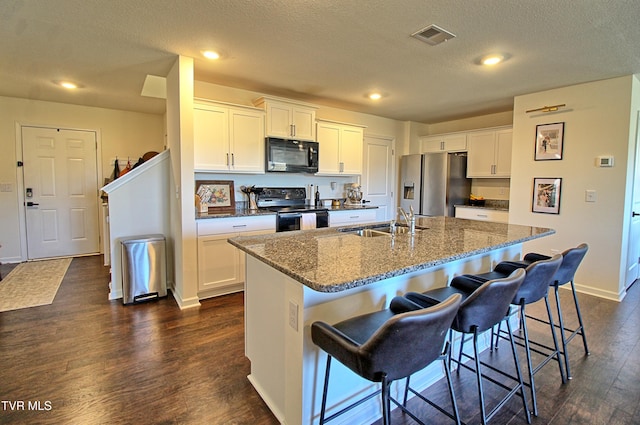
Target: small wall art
[549,141]
[217,195]
[546,195]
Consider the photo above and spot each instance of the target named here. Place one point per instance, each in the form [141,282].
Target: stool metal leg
[476,355]
[555,343]
[386,401]
[518,372]
[580,330]
[324,390]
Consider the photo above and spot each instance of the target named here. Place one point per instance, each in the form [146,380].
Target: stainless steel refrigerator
[434,182]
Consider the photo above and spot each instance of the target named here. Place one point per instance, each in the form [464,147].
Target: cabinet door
[343,218]
[279,120]
[211,138]
[351,142]
[304,123]
[329,147]
[247,141]
[481,148]
[432,144]
[455,142]
[220,264]
[503,153]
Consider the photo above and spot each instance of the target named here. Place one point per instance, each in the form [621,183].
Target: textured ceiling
[330,52]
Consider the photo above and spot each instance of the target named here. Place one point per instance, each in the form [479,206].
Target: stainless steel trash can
[144,268]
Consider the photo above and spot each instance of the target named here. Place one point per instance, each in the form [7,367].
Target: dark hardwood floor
[91,361]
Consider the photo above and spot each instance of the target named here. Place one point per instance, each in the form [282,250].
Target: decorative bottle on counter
[317,197]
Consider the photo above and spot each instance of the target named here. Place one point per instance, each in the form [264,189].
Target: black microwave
[291,156]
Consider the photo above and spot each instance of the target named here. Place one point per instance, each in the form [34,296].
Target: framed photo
[217,195]
[549,141]
[546,195]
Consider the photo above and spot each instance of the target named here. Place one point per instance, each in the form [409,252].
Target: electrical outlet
[293,315]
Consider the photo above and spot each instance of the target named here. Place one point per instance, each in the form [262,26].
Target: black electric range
[293,211]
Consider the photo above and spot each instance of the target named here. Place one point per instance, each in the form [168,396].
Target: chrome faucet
[410,219]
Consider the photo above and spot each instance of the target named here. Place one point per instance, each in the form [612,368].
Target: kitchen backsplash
[495,189]
[285,180]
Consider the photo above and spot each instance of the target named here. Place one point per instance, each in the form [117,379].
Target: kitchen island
[296,278]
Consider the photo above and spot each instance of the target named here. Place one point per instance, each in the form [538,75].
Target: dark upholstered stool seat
[482,308]
[571,260]
[535,287]
[388,345]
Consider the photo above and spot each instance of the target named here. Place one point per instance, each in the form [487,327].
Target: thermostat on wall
[604,161]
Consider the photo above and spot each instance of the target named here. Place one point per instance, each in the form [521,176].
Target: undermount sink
[370,233]
[400,230]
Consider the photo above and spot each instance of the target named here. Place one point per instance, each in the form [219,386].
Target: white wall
[597,122]
[121,133]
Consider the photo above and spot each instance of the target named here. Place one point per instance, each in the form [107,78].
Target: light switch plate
[590,196]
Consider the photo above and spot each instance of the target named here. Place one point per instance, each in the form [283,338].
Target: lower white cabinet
[348,217]
[220,264]
[483,214]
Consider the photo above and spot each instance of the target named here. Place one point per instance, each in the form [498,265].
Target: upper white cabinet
[228,138]
[455,142]
[489,153]
[340,147]
[287,119]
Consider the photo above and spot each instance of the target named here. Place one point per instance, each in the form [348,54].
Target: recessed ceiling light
[210,54]
[375,96]
[492,59]
[68,84]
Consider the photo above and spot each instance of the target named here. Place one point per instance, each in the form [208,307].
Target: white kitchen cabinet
[220,264]
[228,138]
[489,153]
[455,142]
[288,119]
[340,147]
[351,217]
[482,214]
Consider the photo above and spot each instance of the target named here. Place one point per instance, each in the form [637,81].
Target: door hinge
[20,163]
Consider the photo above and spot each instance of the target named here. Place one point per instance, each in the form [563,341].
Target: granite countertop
[484,207]
[331,260]
[245,212]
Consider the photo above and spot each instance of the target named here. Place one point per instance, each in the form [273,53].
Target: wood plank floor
[91,361]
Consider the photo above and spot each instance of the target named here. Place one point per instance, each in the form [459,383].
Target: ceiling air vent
[433,35]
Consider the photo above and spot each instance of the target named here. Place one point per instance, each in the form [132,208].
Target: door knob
[31,204]
[634,214]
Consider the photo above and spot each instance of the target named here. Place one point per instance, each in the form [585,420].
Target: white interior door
[633,255]
[378,175]
[61,192]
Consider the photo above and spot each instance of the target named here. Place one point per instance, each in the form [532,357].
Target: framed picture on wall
[546,195]
[549,141]
[217,195]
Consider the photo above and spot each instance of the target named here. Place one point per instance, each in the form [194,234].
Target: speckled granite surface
[243,211]
[329,260]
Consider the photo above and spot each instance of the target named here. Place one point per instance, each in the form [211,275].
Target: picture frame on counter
[215,196]
[549,141]
[546,195]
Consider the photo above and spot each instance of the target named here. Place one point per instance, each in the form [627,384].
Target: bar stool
[384,346]
[535,287]
[482,307]
[571,259]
